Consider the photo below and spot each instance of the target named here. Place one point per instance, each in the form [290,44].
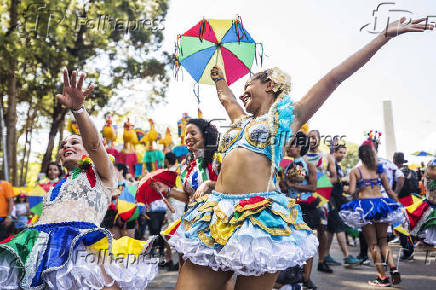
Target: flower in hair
[281,80]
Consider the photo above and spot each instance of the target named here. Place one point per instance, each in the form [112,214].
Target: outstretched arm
[318,94]
[73,98]
[225,95]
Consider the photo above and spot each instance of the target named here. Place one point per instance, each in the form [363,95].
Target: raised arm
[318,94]
[73,98]
[225,95]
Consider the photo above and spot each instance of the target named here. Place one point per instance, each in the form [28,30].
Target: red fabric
[416,215]
[145,192]
[128,214]
[207,31]
[324,192]
[90,174]
[114,152]
[406,201]
[212,173]
[129,159]
[47,186]
[7,239]
[307,201]
[251,200]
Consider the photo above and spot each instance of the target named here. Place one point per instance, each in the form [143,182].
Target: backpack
[411,184]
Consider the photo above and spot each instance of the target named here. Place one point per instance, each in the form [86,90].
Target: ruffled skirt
[358,213]
[74,255]
[422,221]
[249,234]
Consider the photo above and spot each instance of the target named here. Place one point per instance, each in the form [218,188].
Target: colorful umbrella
[323,187]
[126,206]
[146,193]
[422,153]
[212,42]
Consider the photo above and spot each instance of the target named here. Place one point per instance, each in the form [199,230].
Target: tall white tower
[391,144]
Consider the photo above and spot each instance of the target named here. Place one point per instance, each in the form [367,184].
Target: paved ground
[415,275]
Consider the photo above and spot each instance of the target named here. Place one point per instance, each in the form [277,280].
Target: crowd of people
[238,220]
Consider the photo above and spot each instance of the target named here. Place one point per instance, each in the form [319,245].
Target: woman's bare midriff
[244,171]
[369,192]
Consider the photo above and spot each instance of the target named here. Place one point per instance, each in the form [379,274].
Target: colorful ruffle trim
[72,256]
[358,213]
[250,234]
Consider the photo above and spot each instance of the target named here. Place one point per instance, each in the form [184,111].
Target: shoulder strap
[360,173]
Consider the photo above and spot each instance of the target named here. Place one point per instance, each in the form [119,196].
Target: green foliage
[51,35]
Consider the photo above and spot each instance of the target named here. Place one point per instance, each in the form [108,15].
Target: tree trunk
[11,117]
[26,144]
[58,117]
[61,138]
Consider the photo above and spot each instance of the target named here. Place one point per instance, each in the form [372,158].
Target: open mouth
[190,143]
[69,153]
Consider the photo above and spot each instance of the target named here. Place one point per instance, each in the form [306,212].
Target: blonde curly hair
[281,81]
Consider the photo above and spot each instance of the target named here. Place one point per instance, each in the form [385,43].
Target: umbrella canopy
[422,153]
[222,43]
[323,187]
[146,194]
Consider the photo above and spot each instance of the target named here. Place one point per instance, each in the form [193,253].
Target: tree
[49,35]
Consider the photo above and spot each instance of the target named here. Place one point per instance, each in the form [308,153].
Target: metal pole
[5,151]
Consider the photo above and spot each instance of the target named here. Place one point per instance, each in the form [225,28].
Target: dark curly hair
[210,136]
[368,156]
[61,171]
[302,140]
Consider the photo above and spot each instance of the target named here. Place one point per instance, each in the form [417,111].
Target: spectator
[6,207]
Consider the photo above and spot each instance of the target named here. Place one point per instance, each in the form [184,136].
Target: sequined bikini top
[79,197]
[265,134]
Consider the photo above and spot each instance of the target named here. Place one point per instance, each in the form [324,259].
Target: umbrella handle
[170,207]
[218,50]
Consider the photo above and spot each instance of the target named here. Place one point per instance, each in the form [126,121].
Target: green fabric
[244,51]
[430,221]
[155,155]
[21,244]
[190,45]
[352,232]
[76,172]
[132,189]
[135,215]
[37,209]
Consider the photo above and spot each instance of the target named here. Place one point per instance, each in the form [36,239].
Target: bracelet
[79,111]
[218,79]
[168,190]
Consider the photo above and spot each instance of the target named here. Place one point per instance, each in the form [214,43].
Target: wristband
[79,111]
[218,79]
[168,190]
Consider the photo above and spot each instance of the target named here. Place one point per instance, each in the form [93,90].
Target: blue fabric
[268,217]
[285,111]
[232,35]
[197,62]
[60,244]
[372,209]
[57,189]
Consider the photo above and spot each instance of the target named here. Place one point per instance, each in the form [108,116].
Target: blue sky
[307,39]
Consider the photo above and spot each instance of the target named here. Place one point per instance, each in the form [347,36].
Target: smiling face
[53,171]
[256,95]
[71,150]
[314,140]
[194,138]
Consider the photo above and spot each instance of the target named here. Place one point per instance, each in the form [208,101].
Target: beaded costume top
[265,134]
[79,197]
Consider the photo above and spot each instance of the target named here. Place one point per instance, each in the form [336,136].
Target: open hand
[400,26]
[203,189]
[73,96]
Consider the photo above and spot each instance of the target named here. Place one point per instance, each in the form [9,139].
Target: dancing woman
[66,249]
[199,172]
[244,226]
[372,212]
